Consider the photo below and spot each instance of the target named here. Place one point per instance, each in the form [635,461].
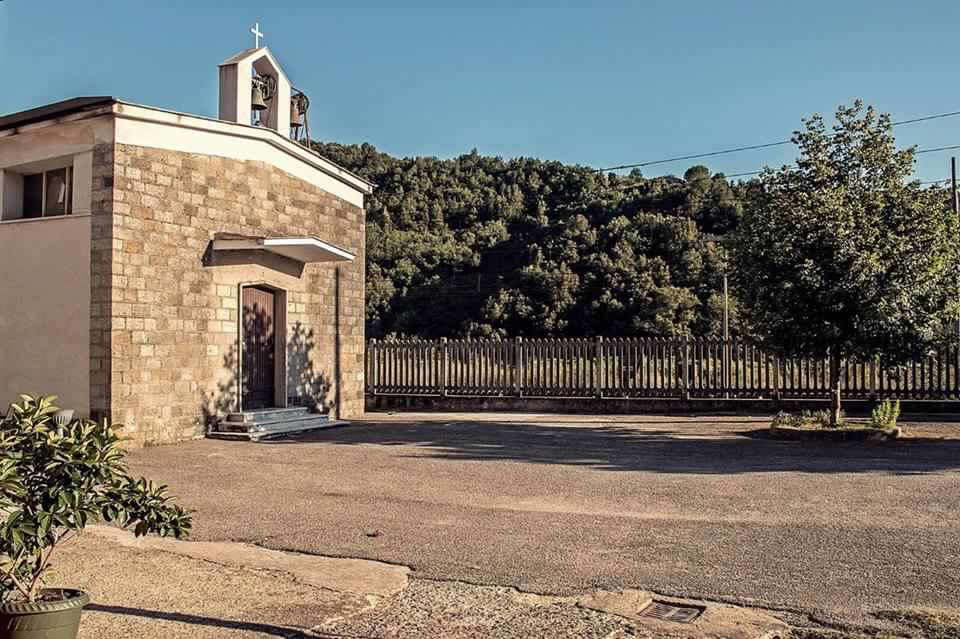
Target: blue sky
[596,83]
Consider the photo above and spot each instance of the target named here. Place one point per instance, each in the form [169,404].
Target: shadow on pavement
[614,447]
[266,629]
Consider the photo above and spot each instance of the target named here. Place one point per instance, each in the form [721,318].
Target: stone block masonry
[101,288]
[164,320]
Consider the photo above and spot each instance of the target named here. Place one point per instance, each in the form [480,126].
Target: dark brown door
[259,347]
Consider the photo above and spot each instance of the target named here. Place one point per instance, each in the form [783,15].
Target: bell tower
[254,90]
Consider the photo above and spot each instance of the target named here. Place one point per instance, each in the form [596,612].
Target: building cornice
[85,108]
[131,111]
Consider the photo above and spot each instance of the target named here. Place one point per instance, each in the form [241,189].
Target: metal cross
[256,35]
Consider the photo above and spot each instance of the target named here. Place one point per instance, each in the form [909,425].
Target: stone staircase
[270,422]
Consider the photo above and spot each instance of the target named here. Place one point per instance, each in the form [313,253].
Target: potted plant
[53,482]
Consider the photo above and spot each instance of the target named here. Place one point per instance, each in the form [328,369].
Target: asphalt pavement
[690,506]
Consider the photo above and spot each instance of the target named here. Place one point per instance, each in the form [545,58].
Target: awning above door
[302,249]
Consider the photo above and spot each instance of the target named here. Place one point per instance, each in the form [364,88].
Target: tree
[842,255]
[480,246]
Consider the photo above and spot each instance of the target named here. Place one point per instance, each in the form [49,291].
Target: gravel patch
[453,610]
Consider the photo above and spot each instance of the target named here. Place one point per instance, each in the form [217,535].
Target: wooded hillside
[481,246]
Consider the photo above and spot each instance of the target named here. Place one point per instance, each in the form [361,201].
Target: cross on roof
[256,35]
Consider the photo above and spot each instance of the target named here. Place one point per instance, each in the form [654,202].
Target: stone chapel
[178,274]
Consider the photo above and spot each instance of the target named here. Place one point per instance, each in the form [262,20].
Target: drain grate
[670,612]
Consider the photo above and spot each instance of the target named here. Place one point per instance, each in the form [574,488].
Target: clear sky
[597,83]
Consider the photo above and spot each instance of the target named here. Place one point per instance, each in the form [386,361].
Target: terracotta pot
[52,619]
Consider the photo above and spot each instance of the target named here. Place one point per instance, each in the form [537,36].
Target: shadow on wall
[305,386]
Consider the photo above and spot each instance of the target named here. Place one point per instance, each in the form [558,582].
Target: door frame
[279,342]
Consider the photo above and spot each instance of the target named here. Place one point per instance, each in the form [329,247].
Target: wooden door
[259,347]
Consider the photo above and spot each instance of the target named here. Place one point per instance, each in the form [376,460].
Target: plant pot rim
[70,599]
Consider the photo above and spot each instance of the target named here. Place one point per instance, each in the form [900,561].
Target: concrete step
[263,415]
[265,431]
[281,425]
[224,426]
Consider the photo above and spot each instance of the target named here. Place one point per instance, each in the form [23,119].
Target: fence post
[518,367]
[873,379]
[955,361]
[725,364]
[444,367]
[776,377]
[597,374]
[686,367]
[372,366]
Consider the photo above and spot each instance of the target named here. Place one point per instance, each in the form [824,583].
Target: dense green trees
[843,255]
[483,246]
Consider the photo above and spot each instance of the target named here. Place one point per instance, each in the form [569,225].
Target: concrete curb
[354,576]
[639,405]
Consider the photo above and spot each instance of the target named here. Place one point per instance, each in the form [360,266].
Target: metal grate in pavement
[671,612]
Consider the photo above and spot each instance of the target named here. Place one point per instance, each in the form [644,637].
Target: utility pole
[956,211]
[953,184]
[726,337]
[726,308]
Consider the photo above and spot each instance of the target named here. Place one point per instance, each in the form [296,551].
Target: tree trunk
[835,390]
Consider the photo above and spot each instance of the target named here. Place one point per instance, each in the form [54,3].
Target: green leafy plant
[54,481]
[819,418]
[784,419]
[885,414]
[805,419]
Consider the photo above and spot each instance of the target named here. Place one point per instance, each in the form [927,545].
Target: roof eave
[55,110]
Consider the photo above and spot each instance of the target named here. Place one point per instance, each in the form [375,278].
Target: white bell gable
[236,88]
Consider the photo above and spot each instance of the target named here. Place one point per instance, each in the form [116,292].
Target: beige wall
[45,274]
[173,319]
[45,310]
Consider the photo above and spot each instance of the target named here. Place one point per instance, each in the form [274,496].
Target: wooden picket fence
[639,367]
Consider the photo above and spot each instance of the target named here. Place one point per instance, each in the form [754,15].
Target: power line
[918,152]
[759,171]
[927,117]
[942,148]
[733,175]
[752,147]
[697,155]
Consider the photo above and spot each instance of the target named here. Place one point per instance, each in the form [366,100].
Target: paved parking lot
[563,505]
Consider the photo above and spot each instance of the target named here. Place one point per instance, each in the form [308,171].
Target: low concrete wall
[615,406]
[45,310]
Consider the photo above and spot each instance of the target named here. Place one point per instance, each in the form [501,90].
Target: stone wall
[173,312]
[101,292]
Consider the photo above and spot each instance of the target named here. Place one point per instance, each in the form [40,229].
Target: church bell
[295,115]
[299,105]
[257,102]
